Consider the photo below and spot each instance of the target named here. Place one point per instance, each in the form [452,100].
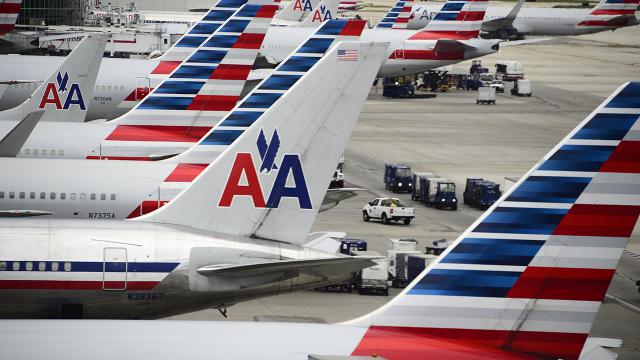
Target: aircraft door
[143,87]
[149,198]
[114,269]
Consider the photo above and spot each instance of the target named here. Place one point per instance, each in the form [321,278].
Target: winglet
[65,96]
[9,10]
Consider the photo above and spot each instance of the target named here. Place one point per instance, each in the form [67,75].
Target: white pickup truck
[387,210]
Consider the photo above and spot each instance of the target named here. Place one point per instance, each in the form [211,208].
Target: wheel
[385,219]
[341,184]
[454,207]
[386,292]
[477,102]
[365,216]
[407,221]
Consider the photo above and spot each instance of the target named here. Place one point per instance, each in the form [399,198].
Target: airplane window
[22,195]
[72,196]
[35,152]
[27,151]
[109,87]
[63,196]
[42,266]
[61,152]
[113,197]
[44,152]
[32,195]
[67,266]
[121,88]
[52,153]
[52,196]
[1,194]
[16,266]
[93,196]
[103,197]
[83,196]
[43,196]
[12,195]
[54,266]
[28,266]
[3,266]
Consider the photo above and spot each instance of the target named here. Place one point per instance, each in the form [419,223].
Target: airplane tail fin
[202,89]
[530,274]
[9,10]
[284,143]
[297,10]
[325,11]
[457,20]
[398,16]
[612,13]
[65,96]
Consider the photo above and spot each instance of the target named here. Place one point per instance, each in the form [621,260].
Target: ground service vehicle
[509,70]
[521,88]
[373,279]
[498,85]
[419,180]
[393,89]
[348,246]
[387,210]
[484,194]
[416,263]
[437,247]
[441,194]
[486,95]
[338,176]
[468,190]
[397,178]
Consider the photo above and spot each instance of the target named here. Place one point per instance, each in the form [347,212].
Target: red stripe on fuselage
[624,159]
[74,285]
[398,343]
[146,207]
[428,55]
[599,220]
[166,67]
[126,158]
[185,172]
[451,35]
[158,133]
[613,12]
[562,284]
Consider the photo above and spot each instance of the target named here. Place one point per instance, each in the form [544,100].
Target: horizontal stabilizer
[23,213]
[12,143]
[350,264]
[333,197]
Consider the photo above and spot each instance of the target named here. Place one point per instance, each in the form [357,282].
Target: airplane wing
[12,143]
[350,263]
[23,213]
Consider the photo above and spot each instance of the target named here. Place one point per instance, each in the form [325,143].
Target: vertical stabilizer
[398,17]
[9,10]
[458,20]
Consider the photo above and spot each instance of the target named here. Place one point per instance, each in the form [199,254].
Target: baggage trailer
[397,178]
[486,96]
[373,280]
[438,247]
[416,263]
[419,181]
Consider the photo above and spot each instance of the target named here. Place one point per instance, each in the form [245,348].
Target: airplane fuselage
[530,21]
[125,269]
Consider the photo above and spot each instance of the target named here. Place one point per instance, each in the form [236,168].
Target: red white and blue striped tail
[203,89]
[527,278]
[458,19]
[266,95]
[9,10]
[398,17]
[612,14]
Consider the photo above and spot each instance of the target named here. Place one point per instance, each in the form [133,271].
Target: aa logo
[245,178]
[55,92]
[302,5]
[321,15]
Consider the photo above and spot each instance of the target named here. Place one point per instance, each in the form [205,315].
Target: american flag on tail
[347,55]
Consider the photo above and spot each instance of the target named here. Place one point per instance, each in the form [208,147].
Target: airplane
[9,10]
[131,79]
[524,281]
[237,232]
[61,97]
[500,22]
[81,189]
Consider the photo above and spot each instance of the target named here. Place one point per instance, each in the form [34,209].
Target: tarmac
[455,138]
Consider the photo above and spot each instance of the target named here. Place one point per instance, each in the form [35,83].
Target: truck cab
[442,194]
[467,195]
[397,178]
[486,193]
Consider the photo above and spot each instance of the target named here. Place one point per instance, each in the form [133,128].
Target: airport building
[53,12]
[163,5]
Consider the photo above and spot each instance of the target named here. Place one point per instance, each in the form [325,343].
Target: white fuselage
[530,21]
[127,269]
